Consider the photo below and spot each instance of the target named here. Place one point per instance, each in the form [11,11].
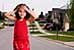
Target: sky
[38,5]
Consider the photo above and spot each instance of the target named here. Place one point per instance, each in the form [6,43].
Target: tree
[49,16]
[71,13]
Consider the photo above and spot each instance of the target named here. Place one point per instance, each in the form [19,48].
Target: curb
[56,41]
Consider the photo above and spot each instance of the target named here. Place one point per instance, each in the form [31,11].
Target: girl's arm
[31,19]
[10,16]
[33,15]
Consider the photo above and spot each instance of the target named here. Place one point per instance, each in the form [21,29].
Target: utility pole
[56,23]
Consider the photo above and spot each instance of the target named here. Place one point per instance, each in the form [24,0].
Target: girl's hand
[26,8]
[33,15]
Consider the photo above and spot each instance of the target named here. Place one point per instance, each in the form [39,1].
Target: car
[11,23]
[48,26]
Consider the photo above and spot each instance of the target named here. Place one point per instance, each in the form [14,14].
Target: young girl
[22,13]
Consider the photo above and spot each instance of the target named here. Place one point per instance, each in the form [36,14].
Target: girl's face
[22,12]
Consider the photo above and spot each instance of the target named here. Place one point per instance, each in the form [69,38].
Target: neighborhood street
[37,43]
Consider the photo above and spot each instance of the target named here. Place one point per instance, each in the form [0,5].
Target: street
[37,43]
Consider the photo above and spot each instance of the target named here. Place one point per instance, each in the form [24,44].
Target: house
[60,17]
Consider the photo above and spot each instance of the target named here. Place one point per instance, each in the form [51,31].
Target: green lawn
[36,33]
[33,28]
[1,27]
[61,38]
[64,33]
[68,33]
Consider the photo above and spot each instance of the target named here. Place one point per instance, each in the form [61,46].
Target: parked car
[11,23]
[48,26]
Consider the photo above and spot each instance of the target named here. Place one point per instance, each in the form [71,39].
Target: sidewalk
[71,44]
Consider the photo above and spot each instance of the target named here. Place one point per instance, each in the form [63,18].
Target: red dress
[21,39]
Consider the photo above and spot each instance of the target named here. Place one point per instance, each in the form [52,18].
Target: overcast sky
[38,5]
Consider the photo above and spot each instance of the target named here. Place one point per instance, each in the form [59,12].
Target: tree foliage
[71,13]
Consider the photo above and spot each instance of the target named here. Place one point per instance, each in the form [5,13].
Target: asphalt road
[37,43]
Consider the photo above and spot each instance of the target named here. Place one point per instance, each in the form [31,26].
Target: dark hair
[17,8]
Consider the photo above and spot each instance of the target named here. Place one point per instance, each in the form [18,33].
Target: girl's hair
[17,8]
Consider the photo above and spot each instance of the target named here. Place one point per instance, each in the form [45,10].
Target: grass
[64,33]
[68,33]
[31,25]
[3,21]
[60,38]
[41,24]
[1,27]
[32,28]
[36,32]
